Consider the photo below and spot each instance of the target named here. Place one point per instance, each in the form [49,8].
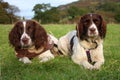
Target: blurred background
[57,11]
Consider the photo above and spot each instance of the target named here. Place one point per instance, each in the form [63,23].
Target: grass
[61,68]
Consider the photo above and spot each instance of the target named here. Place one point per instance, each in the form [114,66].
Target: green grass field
[60,68]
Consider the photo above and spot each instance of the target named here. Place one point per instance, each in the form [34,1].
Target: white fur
[25,60]
[96,31]
[63,43]
[46,56]
[79,53]
[25,35]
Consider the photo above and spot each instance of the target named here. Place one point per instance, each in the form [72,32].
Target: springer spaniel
[30,40]
[85,44]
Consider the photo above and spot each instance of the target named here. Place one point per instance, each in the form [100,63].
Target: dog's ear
[14,35]
[79,28]
[102,27]
[40,36]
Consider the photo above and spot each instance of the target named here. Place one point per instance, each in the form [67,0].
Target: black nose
[25,40]
[92,29]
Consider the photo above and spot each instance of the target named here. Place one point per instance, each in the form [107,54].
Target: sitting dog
[30,40]
[85,44]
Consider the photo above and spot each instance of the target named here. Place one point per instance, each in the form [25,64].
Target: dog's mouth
[92,35]
[26,46]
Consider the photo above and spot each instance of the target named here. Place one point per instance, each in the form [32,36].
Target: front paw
[90,67]
[25,60]
[45,59]
[46,56]
[96,66]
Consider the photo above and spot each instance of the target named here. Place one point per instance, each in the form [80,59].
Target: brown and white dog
[85,44]
[30,40]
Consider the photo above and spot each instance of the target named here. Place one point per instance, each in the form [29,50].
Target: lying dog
[85,44]
[30,40]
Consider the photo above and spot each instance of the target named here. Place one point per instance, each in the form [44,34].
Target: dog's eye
[86,22]
[96,21]
[20,30]
[29,28]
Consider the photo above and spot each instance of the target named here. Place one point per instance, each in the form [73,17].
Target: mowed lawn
[60,68]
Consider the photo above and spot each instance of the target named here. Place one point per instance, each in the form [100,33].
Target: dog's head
[90,26]
[27,33]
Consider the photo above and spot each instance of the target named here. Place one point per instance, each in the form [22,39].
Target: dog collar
[94,42]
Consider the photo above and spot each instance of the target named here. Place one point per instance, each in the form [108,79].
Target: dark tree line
[71,13]
[7,13]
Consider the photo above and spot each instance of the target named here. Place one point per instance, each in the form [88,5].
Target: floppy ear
[102,28]
[14,36]
[79,28]
[40,36]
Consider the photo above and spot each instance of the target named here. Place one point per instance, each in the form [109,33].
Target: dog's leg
[80,58]
[98,56]
[25,60]
[46,56]
[79,55]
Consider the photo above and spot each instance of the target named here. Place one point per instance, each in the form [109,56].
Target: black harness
[71,43]
[87,52]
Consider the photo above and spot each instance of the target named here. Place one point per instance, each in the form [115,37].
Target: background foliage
[7,12]
[71,13]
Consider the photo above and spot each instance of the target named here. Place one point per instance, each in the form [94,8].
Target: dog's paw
[96,66]
[45,59]
[46,56]
[90,67]
[25,60]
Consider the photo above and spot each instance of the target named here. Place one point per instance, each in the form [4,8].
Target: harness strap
[71,43]
[58,51]
[88,56]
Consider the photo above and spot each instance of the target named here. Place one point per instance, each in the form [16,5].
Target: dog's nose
[92,29]
[25,40]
